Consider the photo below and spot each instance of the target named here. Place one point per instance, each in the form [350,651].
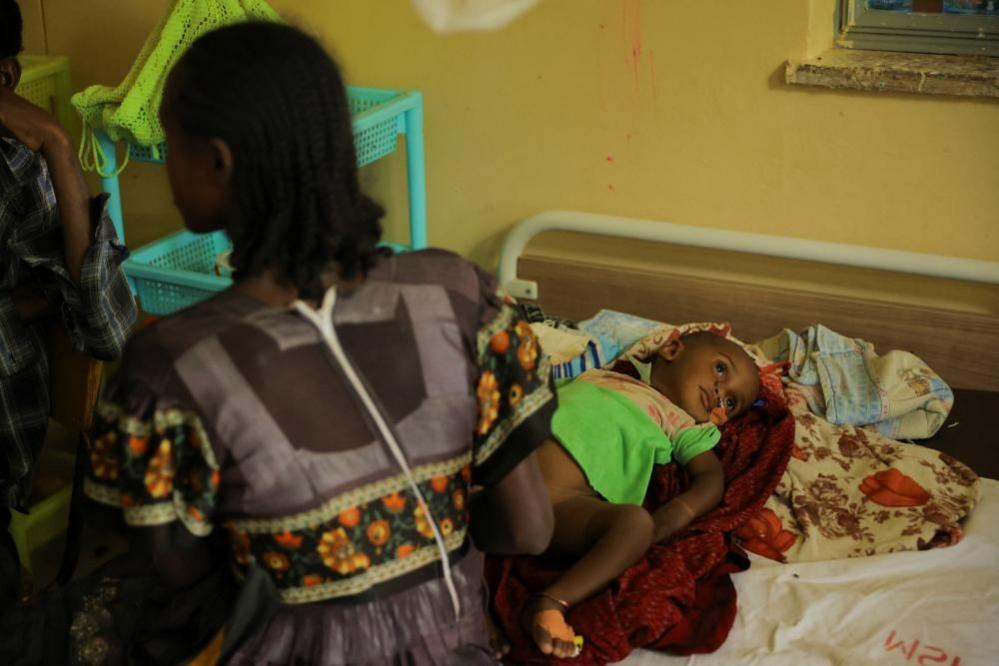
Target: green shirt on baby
[617,428]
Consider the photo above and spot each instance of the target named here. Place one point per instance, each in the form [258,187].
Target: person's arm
[150,457]
[72,200]
[706,490]
[82,268]
[99,311]
[514,516]
[40,132]
[511,514]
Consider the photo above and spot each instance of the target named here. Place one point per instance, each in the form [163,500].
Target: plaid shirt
[97,312]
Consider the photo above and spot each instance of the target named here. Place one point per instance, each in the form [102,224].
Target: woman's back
[238,415]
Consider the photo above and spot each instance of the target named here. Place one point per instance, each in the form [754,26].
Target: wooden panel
[962,347]
[76,382]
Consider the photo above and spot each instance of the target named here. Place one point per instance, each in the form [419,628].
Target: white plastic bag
[455,15]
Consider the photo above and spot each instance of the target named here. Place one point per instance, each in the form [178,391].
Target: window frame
[882,30]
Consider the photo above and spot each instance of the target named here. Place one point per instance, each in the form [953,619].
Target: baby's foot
[551,633]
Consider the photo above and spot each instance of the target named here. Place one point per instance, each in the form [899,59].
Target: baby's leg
[609,538]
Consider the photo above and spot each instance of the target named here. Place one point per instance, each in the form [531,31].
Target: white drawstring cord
[323,320]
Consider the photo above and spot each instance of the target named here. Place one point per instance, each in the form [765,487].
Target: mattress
[932,607]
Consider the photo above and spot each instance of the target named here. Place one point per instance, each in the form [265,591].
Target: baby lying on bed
[611,430]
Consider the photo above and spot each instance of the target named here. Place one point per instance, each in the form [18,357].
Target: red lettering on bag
[929,655]
[889,646]
[926,658]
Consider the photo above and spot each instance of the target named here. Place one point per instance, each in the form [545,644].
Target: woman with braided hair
[344,429]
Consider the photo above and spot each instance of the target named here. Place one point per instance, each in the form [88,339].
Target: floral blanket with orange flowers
[850,490]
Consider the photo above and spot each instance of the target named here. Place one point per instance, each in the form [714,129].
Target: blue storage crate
[178,270]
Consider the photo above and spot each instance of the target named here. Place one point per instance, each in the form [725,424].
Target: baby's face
[711,374]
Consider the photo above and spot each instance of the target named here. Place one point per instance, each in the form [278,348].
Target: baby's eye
[730,404]
[720,369]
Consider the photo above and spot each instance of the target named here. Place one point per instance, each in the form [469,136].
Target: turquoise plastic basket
[373,142]
[177,271]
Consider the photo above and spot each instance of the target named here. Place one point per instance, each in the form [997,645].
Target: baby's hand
[718,416]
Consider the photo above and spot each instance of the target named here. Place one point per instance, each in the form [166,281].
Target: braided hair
[278,101]
[11,27]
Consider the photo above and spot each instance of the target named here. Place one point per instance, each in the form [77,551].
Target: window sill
[884,71]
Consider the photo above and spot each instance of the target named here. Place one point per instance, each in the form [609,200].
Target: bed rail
[843,254]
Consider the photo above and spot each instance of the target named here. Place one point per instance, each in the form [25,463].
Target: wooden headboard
[963,347]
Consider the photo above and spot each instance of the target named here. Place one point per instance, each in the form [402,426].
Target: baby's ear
[669,351]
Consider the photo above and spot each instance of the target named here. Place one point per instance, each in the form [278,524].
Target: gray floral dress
[232,416]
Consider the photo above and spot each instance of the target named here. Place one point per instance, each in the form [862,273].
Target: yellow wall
[662,109]
[34,26]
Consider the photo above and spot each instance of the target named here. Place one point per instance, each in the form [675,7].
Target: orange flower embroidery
[890,487]
[394,502]
[159,474]
[404,550]
[104,457]
[500,342]
[523,330]
[126,501]
[339,554]
[458,500]
[240,544]
[422,524]
[309,581]
[288,540]
[379,532]
[196,514]
[138,445]
[215,479]
[446,527]
[277,562]
[439,484]
[764,535]
[466,472]
[489,398]
[527,353]
[350,517]
[515,395]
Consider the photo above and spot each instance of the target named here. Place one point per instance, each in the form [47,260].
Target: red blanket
[680,597]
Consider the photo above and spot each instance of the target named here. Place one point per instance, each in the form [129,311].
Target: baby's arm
[704,494]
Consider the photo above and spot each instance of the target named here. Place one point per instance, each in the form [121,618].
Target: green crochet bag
[129,112]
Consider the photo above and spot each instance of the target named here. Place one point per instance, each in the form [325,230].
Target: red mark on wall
[632,28]
[925,655]
[610,158]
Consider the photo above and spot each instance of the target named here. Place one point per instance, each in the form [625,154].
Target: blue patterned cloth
[896,393]
[615,332]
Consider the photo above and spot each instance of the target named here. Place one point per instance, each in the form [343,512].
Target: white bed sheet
[923,608]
